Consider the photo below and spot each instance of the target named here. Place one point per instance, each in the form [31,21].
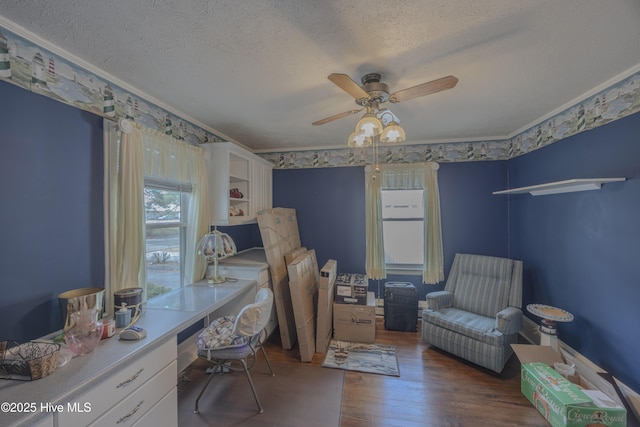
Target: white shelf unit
[232,167]
[566,186]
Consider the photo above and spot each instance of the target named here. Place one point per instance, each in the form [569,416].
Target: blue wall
[581,250]
[245,236]
[51,221]
[329,204]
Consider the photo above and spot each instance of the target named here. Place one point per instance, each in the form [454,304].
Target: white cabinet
[239,182]
[130,393]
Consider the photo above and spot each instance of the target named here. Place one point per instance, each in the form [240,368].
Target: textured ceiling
[256,70]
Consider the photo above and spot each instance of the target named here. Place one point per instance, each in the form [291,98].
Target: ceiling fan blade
[347,84]
[424,89]
[336,117]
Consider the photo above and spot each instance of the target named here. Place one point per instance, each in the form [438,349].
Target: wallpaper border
[26,63]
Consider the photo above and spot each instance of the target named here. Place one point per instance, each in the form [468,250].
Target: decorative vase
[86,332]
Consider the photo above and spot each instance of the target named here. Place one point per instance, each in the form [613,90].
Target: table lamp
[215,246]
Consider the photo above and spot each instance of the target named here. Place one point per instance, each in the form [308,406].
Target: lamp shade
[359,140]
[215,246]
[393,133]
[369,125]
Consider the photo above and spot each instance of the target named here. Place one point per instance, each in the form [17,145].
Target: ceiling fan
[374,92]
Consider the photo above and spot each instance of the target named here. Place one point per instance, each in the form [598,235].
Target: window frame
[185,190]
[404,268]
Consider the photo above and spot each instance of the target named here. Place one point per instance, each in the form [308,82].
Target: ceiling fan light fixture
[359,140]
[369,125]
[379,125]
[392,134]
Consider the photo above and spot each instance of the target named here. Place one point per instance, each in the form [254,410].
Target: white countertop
[163,318]
[250,258]
[248,264]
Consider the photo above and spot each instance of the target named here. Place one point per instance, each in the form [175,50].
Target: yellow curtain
[124,209]
[171,159]
[129,158]
[404,176]
[375,265]
[434,259]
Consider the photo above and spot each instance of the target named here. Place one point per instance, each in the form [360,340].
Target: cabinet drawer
[131,409]
[164,414]
[106,393]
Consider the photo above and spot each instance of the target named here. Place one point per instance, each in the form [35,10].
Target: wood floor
[434,389]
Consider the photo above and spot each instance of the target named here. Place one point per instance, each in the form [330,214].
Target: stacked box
[354,322]
[400,307]
[351,288]
[290,256]
[279,232]
[559,401]
[324,327]
[302,285]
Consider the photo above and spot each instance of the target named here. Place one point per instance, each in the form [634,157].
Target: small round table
[549,315]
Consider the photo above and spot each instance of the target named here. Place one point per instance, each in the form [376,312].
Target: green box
[564,404]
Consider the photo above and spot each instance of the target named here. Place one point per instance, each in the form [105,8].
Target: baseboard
[585,367]
[530,331]
[187,352]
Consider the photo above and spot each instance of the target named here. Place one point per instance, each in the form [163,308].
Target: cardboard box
[355,323]
[302,285]
[351,288]
[280,235]
[324,327]
[561,402]
[289,257]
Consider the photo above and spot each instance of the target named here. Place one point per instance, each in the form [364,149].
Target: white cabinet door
[262,185]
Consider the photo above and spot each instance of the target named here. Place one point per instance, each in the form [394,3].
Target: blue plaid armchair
[478,315]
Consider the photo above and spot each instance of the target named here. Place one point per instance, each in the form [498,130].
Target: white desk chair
[237,338]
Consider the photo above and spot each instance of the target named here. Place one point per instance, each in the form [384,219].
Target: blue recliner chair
[478,315]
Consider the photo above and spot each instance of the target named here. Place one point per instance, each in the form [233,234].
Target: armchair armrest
[509,321]
[439,299]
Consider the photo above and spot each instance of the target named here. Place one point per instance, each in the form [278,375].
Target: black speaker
[400,307]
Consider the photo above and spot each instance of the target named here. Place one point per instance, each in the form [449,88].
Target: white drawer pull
[133,378]
[133,411]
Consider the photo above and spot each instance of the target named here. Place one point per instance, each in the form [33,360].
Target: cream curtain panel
[129,158]
[172,160]
[124,209]
[404,176]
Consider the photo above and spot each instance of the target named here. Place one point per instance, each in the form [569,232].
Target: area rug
[371,358]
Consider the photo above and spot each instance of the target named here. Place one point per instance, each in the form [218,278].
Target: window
[403,212]
[166,216]
[403,229]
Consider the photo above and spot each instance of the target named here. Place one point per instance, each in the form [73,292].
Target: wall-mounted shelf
[567,186]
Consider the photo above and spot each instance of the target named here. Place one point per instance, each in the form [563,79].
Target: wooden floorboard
[434,389]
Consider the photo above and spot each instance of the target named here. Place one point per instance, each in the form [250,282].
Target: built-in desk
[82,377]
